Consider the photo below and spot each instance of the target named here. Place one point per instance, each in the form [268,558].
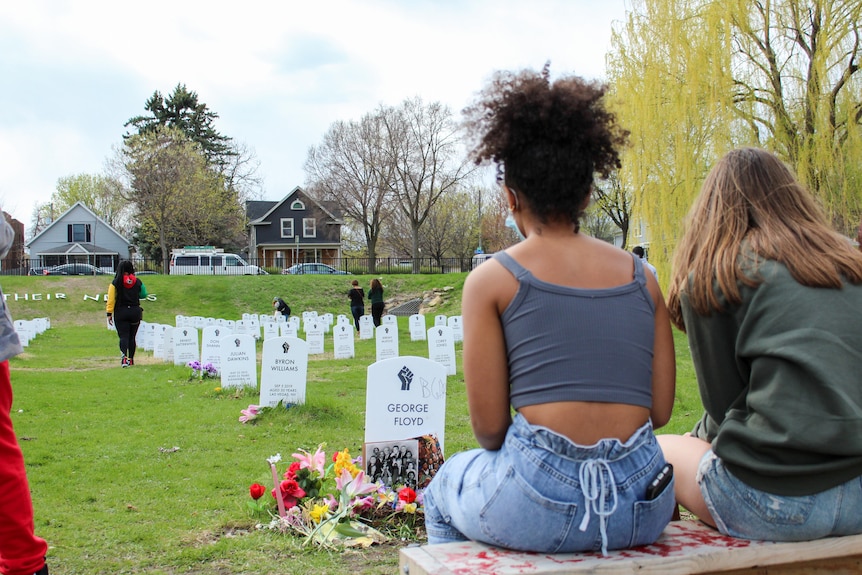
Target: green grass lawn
[111,494]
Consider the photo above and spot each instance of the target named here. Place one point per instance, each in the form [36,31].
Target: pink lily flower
[352,487]
[316,462]
[249,414]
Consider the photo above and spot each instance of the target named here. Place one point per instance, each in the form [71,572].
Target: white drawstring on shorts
[595,487]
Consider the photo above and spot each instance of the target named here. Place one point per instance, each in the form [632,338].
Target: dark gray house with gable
[297,229]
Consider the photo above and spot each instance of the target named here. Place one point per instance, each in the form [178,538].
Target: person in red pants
[21,552]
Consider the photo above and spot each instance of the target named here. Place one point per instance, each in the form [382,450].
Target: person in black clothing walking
[357,302]
[375,294]
[124,309]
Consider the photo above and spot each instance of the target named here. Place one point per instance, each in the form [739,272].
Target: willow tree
[799,91]
[692,79]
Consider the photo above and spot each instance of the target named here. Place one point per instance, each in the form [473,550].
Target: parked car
[38,271]
[75,270]
[298,269]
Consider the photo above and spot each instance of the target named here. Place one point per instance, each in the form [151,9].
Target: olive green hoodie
[780,376]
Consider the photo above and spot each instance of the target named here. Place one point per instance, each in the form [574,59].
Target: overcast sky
[277,72]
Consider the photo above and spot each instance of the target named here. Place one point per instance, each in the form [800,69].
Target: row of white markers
[28,329]
[229,346]
[405,396]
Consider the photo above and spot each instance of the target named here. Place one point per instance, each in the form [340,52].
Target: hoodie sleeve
[112,297]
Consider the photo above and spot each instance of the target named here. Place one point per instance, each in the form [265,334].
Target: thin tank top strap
[639,270]
[640,278]
[510,264]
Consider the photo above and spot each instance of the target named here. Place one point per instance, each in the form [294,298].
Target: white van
[210,261]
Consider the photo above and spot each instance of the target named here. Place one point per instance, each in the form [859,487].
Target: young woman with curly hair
[567,330]
[771,299]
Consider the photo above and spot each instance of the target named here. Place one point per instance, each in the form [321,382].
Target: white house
[78,236]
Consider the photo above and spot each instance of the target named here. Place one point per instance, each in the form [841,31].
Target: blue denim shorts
[541,492]
[748,513]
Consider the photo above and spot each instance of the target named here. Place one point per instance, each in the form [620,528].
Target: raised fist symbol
[406,377]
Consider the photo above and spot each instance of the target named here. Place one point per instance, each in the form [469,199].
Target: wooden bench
[685,547]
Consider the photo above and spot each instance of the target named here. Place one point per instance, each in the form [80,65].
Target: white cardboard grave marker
[314,337]
[389,319]
[366,327]
[254,327]
[168,337]
[26,331]
[342,336]
[211,345]
[441,347]
[270,329]
[405,397]
[159,340]
[387,341]
[238,360]
[186,345]
[440,319]
[416,323]
[149,336]
[307,318]
[288,329]
[141,335]
[283,371]
[454,322]
[241,327]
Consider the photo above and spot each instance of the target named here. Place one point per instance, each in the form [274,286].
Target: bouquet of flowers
[333,502]
[204,371]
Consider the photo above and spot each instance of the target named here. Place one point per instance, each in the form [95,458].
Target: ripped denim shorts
[748,513]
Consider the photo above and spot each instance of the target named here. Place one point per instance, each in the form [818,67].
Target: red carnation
[256,490]
[407,495]
[291,471]
[291,493]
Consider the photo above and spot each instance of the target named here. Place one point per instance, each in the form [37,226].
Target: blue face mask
[513,225]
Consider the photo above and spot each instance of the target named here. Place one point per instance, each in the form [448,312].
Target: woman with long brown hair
[771,300]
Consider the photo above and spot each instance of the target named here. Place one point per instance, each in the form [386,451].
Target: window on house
[79,233]
[309,228]
[297,205]
[286,227]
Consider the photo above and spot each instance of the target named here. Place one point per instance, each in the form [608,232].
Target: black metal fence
[359,266]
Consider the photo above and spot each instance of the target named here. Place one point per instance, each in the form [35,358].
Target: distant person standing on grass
[21,552]
[375,294]
[639,252]
[357,302]
[124,309]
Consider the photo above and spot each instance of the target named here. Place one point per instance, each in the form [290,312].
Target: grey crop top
[573,344]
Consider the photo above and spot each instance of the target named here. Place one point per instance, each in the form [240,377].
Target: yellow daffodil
[319,512]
